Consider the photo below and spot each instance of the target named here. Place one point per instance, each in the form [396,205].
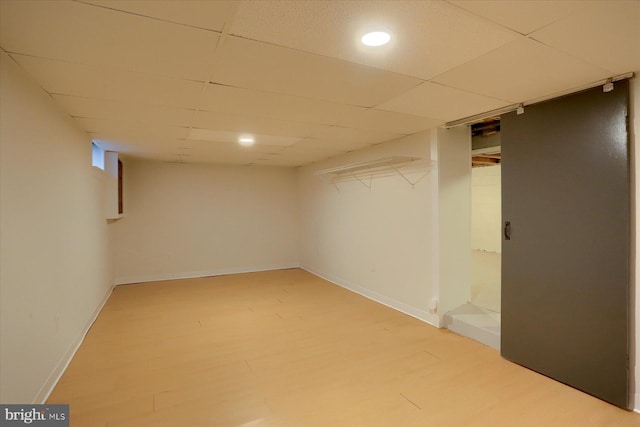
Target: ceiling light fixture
[246,140]
[376,38]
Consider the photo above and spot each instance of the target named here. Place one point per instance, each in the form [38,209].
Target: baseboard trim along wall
[204,273]
[407,309]
[46,389]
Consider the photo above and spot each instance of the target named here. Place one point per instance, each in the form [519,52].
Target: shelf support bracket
[412,183]
[361,181]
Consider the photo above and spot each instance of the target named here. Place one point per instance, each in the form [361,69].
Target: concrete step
[476,323]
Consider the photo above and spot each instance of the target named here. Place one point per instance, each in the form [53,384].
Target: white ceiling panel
[124,111]
[329,145]
[295,159]
[218,157]
[606,34]
[389,121]
[523,16]
[233,100]
[66,78]
[88,34]
[211,15]
[442,102]
[521,71]
[344,134]
[262,66]
[280,161]
[308,146]
[124,131]
[428,37]
[298,155]
[228,153]
[246,124]
[158,158]
[257,150]
[145,75]
[219,136]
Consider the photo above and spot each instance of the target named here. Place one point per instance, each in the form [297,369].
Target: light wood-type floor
[285,348]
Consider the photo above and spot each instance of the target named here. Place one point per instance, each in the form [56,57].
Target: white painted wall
[54,250]
[383,242]
[189,220]
[111,185]
[376,242]
[454,222]
[486,237]
[486,209]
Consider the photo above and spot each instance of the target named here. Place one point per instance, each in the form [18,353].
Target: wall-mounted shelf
[411,169]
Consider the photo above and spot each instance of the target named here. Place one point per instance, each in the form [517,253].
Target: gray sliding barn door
[565,249]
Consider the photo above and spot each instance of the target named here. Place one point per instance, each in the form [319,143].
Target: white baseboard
[636,403]
[204,273]
[46,389]
[425,316]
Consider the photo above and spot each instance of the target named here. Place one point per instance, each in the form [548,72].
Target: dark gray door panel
[565,268]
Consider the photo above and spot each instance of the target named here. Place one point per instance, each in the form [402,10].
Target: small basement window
[97,156]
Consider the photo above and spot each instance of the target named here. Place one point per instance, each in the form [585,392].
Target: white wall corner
[46,389]
[453,218]
[435,225]
[128,280]
[426,316]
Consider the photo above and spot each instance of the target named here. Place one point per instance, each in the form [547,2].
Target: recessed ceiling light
[376,38]
[246,140]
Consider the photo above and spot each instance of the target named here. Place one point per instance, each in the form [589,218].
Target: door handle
[507,230]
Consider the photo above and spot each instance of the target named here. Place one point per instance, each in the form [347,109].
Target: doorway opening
[486,216]
[479,318]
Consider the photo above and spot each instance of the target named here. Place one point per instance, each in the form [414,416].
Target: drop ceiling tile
[341,134]
[521,71]
[296,156]
[523,16]
[209,135]
[316,97]
[295,159]
[428,37]
[207,14]
[236,160]
[390,121]
[87,34]
[165,158]
[228,153]
[606,34]
[442,102]
[124,111]
[247,124]
[261,66]
[123,131]
[233,100]
[218,158]
[222,147]
[303,147]
[66,78]
[279,161]
[317,144]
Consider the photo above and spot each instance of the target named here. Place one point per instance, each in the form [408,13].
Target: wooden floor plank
[285,348]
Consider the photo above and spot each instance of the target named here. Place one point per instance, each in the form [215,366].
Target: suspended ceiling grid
[180,81]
